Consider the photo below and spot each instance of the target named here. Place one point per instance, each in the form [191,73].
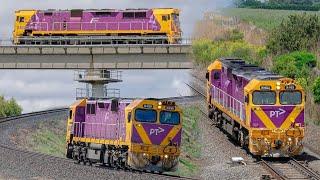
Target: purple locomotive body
[77,20]
[263,111]
[158,25]
[99,120]
[143,134]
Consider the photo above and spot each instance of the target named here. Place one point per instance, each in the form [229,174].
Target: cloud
[37,90]
[41,89]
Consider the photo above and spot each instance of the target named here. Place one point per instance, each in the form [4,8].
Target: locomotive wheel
[211,113]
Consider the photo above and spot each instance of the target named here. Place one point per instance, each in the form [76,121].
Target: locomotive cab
[156,135]
[276,111]
[22,17]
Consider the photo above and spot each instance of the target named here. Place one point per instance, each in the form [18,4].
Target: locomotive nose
[278,144]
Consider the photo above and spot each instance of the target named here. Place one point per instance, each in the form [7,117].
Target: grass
[191,148]
[266,19]
[49,138]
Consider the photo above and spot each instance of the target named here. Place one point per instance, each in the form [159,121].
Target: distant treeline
[306,5]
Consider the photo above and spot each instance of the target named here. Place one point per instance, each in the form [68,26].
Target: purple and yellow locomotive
[32,26]
[140,134]
[261,110]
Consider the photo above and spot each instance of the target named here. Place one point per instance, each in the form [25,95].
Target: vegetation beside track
[291,45]
[49,138]
[266,19]
[191,147]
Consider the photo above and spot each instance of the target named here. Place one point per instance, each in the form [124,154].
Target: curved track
[279,169]
[30,155]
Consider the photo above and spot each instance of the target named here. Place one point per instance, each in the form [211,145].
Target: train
[261,110]
[141,134]
[158,25]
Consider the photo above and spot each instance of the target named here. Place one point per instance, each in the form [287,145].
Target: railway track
[289,169]
[282,170]
[11,118]
[30,154]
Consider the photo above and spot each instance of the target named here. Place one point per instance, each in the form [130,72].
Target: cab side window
[70,114]
[21,19]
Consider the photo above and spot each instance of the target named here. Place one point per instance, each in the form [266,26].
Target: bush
[294,65]
[316,90]
[206,51]
[9,107]
[298,32]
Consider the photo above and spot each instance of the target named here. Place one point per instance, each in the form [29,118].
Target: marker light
[278,83]
[278,87]
[159,107]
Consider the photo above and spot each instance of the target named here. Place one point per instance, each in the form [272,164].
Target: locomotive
[262,111]
[142,134]
[49,26]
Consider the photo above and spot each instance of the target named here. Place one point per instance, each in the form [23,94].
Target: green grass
[49,139]
[266,19]
[191,147]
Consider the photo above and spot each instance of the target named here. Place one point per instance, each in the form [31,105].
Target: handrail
[233,105]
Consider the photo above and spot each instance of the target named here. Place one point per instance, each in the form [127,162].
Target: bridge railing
[105,40]
[82,93]
[84,75]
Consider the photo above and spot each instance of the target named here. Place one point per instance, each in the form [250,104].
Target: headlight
[166,156]
[144,154]
[289,139]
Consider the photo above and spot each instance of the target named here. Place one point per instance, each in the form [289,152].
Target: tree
[9,107]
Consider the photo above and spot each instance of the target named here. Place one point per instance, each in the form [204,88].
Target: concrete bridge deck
[121,56]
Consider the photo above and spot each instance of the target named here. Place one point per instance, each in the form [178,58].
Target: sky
[42,89]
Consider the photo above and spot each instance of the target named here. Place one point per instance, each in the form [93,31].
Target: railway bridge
[95,56]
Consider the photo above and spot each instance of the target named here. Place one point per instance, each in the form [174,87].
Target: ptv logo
[277,113]
[156,131]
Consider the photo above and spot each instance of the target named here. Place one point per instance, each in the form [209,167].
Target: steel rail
[10,118]
[304,169]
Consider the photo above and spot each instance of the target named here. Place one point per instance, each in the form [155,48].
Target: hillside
[266,19]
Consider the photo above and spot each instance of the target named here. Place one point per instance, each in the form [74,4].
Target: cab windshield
[290,97]
[264,98]
[168,117]
[146,115]
[176,19]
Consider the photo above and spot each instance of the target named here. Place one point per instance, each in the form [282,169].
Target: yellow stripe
[174,131]
[142,133]
[291,118]
[265,119]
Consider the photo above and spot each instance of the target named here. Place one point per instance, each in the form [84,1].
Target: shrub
[316,90]
[298,32]
[294,65]
[206,51]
